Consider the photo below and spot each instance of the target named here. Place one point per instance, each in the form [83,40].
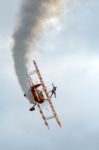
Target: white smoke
[34,15]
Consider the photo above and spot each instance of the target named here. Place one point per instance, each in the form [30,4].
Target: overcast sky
[69,57]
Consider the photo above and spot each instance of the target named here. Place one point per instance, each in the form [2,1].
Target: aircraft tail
[36,86]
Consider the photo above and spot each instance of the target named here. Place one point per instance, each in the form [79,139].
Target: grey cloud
[80,33]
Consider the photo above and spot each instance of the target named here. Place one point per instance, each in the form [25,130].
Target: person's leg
[54,93]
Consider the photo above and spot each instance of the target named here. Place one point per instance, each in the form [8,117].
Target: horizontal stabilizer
[36,86]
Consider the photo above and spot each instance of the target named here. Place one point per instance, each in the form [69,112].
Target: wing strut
[42,114]
[47,95]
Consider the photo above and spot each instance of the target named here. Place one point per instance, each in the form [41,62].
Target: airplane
[38,94]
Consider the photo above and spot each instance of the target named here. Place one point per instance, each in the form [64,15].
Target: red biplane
[37,96]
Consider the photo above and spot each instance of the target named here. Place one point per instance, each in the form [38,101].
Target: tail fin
[36,86]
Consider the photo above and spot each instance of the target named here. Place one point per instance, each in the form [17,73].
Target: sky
[68,56]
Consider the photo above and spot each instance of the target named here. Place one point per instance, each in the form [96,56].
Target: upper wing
[47,95]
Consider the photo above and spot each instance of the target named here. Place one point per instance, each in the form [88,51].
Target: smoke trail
[33,15]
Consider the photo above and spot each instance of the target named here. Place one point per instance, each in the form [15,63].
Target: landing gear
[32,108]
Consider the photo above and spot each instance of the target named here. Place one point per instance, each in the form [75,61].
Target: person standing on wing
[53,91]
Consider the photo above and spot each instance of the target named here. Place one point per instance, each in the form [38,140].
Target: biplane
[39,96]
